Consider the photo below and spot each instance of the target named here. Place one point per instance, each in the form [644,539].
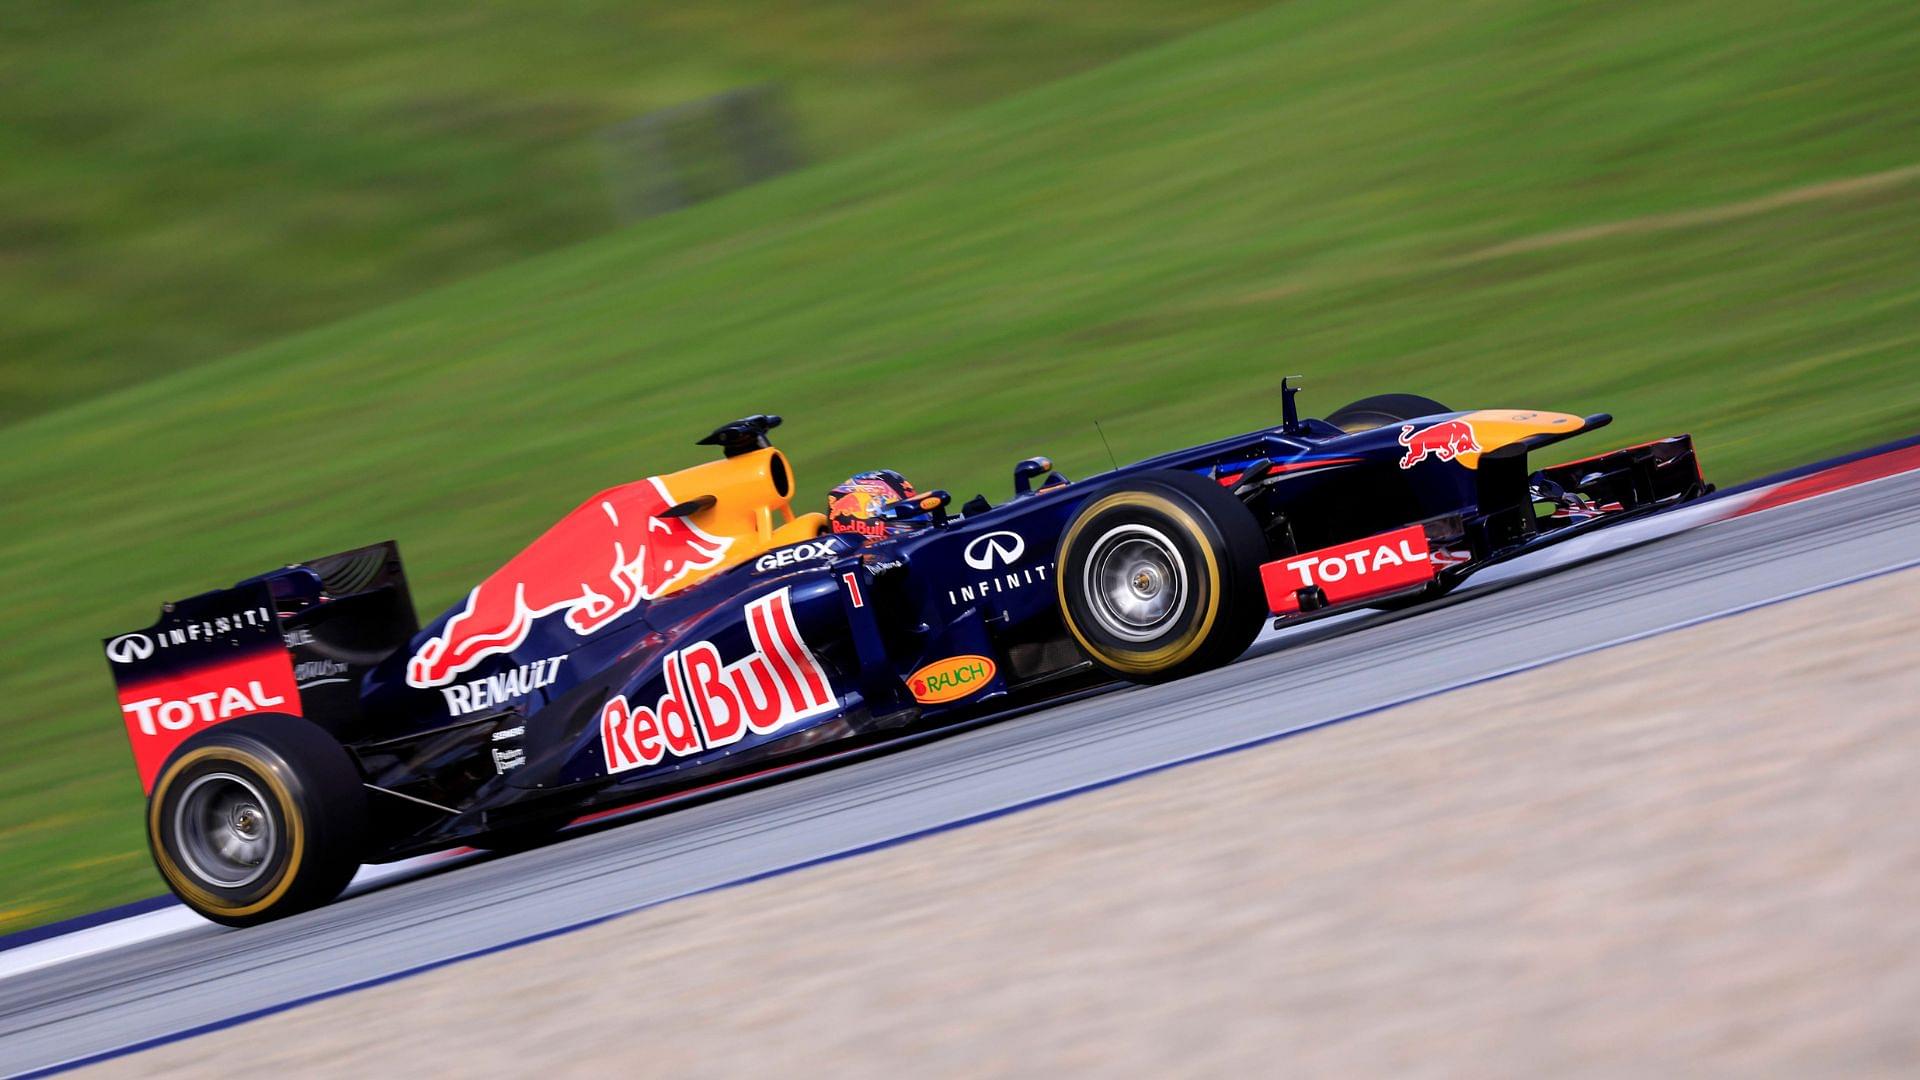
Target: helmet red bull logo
[595,565]
[858,506]
[1445,440]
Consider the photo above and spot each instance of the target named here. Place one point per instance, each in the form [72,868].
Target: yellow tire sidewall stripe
[289,814]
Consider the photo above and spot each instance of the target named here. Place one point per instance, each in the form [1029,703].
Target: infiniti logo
[994,555]
[995,548]
[128,648]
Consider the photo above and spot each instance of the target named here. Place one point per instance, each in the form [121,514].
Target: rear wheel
[1160,577]
[1383,409]
[256,819]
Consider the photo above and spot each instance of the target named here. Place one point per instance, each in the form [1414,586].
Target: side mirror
[933,503]
[1024,472]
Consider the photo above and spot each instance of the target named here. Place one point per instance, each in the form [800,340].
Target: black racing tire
[257,819]
[1383,409]
[1159,577]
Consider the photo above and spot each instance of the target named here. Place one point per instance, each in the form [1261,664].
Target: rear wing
[293,642]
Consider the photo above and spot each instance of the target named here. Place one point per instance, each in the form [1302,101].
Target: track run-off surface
[1530,614]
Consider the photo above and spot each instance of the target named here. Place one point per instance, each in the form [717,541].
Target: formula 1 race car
[691,630]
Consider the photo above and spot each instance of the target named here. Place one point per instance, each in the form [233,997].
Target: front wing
[1434,555]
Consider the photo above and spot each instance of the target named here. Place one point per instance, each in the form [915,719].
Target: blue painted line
[86,922]
[960,823]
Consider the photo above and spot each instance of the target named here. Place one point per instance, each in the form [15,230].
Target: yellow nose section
[1464,439]
[751,509]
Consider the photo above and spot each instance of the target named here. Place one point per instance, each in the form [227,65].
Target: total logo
[710,703]
[163,712]
[951,679]
[811,551]
[153,714]
[1376,565]
[1327,569]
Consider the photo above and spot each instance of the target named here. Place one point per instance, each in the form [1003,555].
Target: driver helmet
[854,506]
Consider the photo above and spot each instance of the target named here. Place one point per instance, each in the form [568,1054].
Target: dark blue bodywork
[979,584]
[870,611]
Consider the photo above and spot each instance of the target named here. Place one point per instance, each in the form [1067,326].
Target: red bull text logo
[598,563]
[709,703]
[1446,440]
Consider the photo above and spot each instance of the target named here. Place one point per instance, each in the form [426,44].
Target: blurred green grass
[1377,196]
[181,180]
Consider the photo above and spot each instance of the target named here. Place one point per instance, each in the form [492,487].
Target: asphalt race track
[1323,672]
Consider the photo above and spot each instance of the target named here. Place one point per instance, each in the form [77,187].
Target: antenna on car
[1108,445]
[1289,412]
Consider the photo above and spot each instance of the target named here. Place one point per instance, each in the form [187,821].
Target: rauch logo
[951,679]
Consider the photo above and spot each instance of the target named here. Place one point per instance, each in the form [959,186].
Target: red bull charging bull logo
[710,703]
[1446,440]
[598,563]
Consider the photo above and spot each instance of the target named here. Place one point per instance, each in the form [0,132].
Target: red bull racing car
[693,629]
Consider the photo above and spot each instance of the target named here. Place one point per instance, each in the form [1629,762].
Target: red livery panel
[161,713]
[598,563]
[1374,566]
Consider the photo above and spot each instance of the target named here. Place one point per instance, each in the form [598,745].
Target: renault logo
[994,549]
[127,648]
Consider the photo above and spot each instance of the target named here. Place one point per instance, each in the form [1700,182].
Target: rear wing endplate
[206,660]
[293,641]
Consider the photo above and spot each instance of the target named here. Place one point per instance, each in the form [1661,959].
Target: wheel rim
[225,833]
[1136,582]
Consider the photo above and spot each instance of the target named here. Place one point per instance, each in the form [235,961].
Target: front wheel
[1381,410]
[256,819]
[1160,577]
